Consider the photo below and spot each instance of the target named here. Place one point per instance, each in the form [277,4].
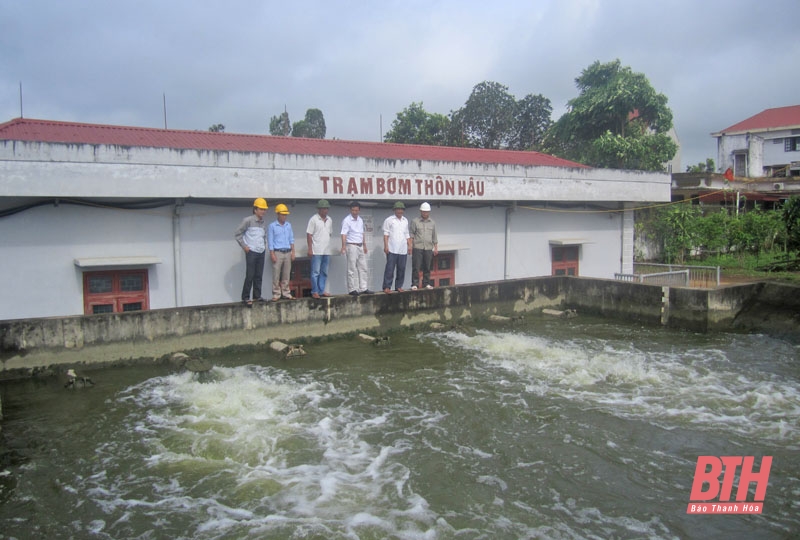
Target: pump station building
[101,218]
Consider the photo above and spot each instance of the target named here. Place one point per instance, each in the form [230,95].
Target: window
[300,277]
[564,260]
[791,144]
[443,271]
[115,291]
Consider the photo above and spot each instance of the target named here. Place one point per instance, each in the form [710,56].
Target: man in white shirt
[318,235]
[355,247]
[396,245]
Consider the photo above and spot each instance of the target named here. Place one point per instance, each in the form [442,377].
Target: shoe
[327,294]
[387,291]
[367,291]
[290,297]
[248,303]
[315,296]
[353,293]
[429,286]
[413,287]
[276,298]
[401,289]
[262,300]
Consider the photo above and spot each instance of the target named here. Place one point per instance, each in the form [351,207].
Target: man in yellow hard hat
[280,238]
[251,235]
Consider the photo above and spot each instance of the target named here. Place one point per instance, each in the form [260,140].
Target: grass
[746,266]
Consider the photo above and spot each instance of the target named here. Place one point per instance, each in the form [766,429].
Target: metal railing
[678,278]
[705,277]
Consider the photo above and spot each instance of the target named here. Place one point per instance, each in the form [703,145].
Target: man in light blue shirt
[281,252]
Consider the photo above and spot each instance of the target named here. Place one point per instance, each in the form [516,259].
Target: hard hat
[282,209]
[323,204]
[399,204]
[425,207]
[260,203]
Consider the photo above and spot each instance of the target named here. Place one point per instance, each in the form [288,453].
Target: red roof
[26,129]
[769,119]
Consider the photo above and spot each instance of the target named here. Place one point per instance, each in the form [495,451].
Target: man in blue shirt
[281,251]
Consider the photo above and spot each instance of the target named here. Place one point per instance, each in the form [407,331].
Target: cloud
[240,62]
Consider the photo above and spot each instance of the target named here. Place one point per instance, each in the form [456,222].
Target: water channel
[585,428]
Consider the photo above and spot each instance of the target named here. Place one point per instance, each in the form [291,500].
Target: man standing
[318,236]
[426,246]
[396,245]
[355,247]
[281,251]
[251,235]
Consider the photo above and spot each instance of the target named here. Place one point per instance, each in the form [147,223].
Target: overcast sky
[239,62]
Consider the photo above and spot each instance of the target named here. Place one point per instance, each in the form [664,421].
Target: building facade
[97,219]
[764,145]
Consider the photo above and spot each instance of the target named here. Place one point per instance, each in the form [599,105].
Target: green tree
[791,220]
[618,120]
[531,122]
[312,127]
[486,120]
[677,226]
[217,128]
[707,167]
[414,125]
[280,125]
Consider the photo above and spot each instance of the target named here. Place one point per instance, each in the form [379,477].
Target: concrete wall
[34,344]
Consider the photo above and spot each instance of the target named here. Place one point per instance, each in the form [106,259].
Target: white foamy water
[577,430]
[683,386]
[256,452]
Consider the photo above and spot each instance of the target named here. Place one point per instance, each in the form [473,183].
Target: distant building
[767,144]
[104,219]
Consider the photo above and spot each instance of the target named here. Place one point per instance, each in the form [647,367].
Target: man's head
[425,210]
[399,209]
[282,211]
[322,208]
[355,208]
[260,207]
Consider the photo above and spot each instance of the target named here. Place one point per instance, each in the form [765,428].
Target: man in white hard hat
[425,246]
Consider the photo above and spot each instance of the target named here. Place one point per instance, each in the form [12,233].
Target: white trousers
[356,268]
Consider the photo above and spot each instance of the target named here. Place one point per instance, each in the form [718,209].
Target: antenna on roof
[20,99]
[380,135]
[165,110]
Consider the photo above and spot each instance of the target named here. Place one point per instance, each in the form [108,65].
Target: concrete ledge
[29,345]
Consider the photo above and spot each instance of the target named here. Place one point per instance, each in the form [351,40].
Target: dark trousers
[421,259]
[398,263]
[254,263]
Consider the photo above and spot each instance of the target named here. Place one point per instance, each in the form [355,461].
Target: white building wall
[726,145]
[40,246]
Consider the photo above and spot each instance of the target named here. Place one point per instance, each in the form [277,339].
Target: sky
[240,62]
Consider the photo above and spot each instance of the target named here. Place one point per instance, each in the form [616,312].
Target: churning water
[552,429]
